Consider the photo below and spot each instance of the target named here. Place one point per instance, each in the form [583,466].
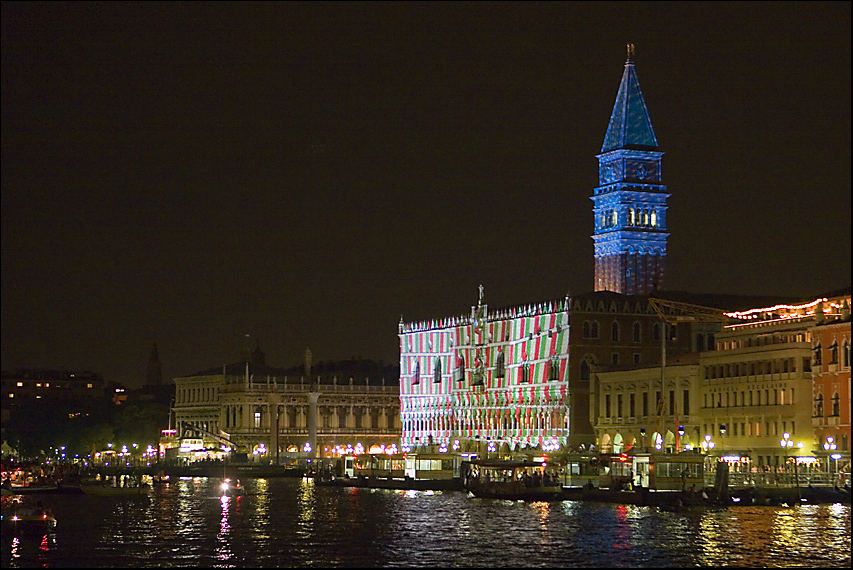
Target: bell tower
[629,204]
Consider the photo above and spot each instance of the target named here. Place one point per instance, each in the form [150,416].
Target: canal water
[290,522]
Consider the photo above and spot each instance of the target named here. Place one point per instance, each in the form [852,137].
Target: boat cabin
[656,471]
[419,466]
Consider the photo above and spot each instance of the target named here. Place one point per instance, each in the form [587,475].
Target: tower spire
[630,201]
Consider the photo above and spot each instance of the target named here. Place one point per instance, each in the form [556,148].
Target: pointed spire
[154,371]
[630,124]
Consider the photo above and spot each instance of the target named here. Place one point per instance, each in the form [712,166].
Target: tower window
[654,220]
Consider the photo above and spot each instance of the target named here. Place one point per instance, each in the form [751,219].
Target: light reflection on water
[294,523]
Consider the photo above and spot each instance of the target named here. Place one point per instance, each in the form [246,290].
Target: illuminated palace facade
[494,380]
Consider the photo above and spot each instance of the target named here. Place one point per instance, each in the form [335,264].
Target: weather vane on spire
[630,52]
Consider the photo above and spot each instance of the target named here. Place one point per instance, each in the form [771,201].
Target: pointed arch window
[459,373]
[593,333]
[500,368]
[554,370]
[614,332]
[817,355]
[586,332]
[654,218]
[836,404]
[818,406]
[437,372]
[846,354]
[416,375]
[631,218]
[584,373]
[833,352]
[636,332]
[524,373]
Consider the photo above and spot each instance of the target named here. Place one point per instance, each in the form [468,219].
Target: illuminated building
[316,409]
[630,201]
[492,380]
[758,384]
[830,337]
[636,411]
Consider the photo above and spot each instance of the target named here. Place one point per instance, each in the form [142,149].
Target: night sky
[188,174]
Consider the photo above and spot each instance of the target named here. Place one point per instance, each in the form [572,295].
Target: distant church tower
[630,201]
[154,372]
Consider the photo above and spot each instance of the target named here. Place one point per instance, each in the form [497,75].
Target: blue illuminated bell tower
[630,201]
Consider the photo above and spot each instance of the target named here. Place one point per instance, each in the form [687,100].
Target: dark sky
[307,173]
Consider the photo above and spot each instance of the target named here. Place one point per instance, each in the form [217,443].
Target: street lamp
[830,446]
[707,445]
[643,435]
[786,443]
[680,435]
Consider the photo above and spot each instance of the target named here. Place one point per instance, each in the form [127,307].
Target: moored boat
[25,519]
[512,480]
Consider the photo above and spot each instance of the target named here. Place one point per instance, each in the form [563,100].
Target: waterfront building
[636,410]
[491,380]
[830,337]
[758,395]
[270,413]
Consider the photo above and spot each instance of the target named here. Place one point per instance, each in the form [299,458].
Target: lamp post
[643,435]
[680,436]
[830,446]
[786,443]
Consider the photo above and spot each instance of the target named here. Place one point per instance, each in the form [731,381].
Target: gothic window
[524,370]
[645,217]
[846,353]
[584,374]
[593,333]
[817,357]
[554,370]
[499,366]
[833,353]
[437,371]
[636,332]
[613,217]
[459,373]
[614,332]
[586,331]
[836,409]
[818,406]
[630,216]
[654,218]
[416,377]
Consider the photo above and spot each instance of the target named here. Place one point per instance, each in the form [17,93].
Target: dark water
[293,523]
